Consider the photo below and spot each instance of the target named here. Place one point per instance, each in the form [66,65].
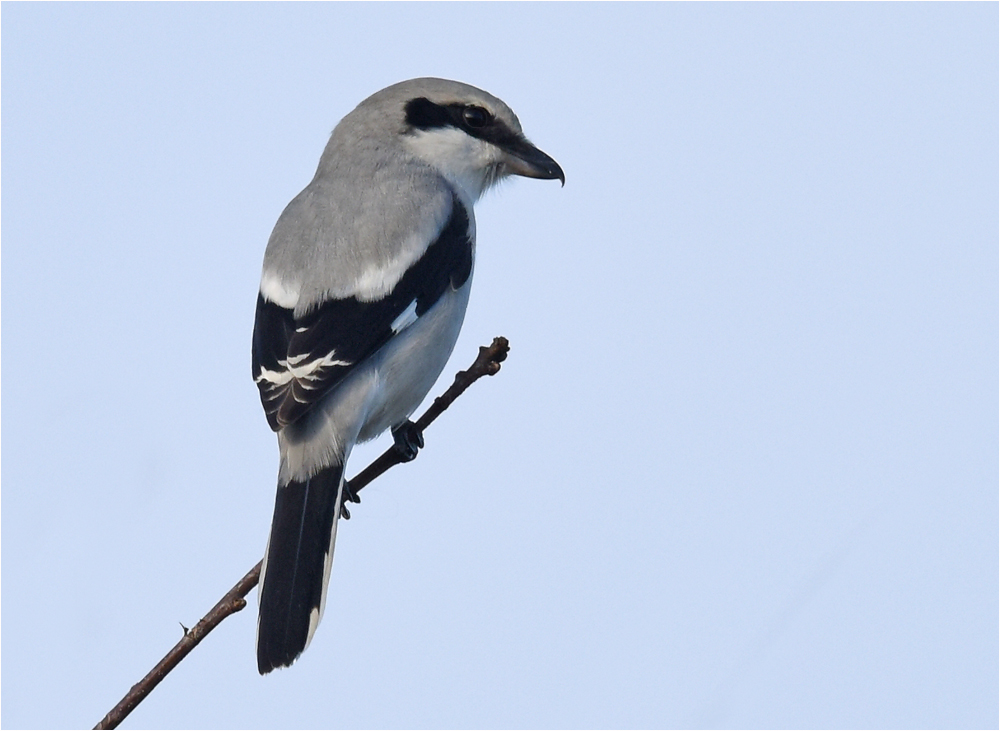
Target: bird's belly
[407,367]
[380,393]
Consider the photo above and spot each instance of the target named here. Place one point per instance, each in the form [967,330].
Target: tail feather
[296,568]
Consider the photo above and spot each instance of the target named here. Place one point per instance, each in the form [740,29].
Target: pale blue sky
[740,469]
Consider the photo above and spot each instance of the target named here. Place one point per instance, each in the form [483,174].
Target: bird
[364,287]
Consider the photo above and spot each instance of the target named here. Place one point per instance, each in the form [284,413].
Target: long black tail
[296,568]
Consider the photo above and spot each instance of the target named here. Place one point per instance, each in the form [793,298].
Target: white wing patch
[406,318]
[294,368]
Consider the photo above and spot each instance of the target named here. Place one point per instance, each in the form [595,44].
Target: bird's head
[472,138]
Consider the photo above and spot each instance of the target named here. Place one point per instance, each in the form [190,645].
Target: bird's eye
[475,117]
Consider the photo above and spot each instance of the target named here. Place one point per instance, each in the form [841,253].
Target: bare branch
[486,364]
[231,603]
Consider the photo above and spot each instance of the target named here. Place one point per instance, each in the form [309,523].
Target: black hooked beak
[523,158]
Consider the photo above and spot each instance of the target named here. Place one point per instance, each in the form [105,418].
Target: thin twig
[231,603]
[486,364]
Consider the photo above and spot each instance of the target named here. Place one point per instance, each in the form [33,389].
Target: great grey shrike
[365,283]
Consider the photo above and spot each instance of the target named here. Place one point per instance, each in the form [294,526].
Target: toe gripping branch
[349,496]
[407,439]
[486,364]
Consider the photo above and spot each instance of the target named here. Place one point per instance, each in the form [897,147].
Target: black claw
[407,439]
[349,495]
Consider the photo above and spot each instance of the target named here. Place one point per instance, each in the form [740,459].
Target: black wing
[296,361]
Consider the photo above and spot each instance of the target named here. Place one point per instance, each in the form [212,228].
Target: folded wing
[298,360]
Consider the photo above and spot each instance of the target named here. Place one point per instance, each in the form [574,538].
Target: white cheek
[462,159]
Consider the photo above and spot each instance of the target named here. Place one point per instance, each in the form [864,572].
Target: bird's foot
[348,496]
[408,439]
